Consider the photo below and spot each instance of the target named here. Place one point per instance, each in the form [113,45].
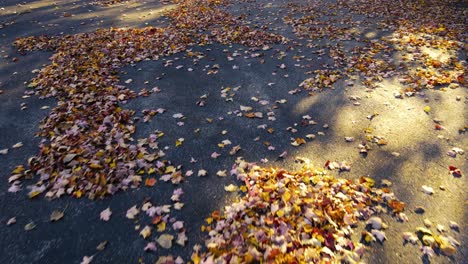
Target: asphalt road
[422,160]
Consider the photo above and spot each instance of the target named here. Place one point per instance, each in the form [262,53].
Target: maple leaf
[146,232]
[106,214]
[202,173]
[231,188]
[132,212]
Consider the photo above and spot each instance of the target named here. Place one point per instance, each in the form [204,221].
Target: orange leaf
[150,182]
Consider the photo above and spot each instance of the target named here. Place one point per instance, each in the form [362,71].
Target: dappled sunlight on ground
[389,104]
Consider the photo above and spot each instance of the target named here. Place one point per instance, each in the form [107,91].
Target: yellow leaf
[195,258]
[146,232]
[280,213]
[162,226]
[243,188]
[78,194]
[95,166]
[18,170]
[33,194]
[170,169]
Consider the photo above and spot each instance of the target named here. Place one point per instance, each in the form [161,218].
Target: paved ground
[422,158]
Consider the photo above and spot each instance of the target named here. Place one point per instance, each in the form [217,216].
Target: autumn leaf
[165,241]
[106,214]
[150,182]
[298,141]
[56,215]
[146,232]
[87,260]
[30,226]
[202,173]
[11,221]
[102,245]
[231,188]
[132,212]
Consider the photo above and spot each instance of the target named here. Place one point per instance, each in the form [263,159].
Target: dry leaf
[106,214]
[221,173]
[11,221]
[230,188]
[146,232]
[30,226]
[132,212]
[87,260]
[427,190]
[102,245]
[165,241]
[17,145]
[380,235]
[56,215]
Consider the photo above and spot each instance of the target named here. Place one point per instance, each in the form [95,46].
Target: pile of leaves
[428,36]
[87,147]
[304,216]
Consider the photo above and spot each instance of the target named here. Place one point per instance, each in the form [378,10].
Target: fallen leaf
[150,182]
[11,221]
[17,145]
[56,215]
[101,245]
[410,237]
[453,225]
[455,171]
[231,188]
[245,108]
[181,239]
[146,232]
[440,228]
[69,157]
[87,260]
[151,246]
[165,241]
[30,226]
[132,212]
[380,235]
[221,173]
[427,190]
[298,142]
[106,214]
[375,222]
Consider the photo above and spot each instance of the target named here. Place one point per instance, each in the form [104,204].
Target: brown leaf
[56,215]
